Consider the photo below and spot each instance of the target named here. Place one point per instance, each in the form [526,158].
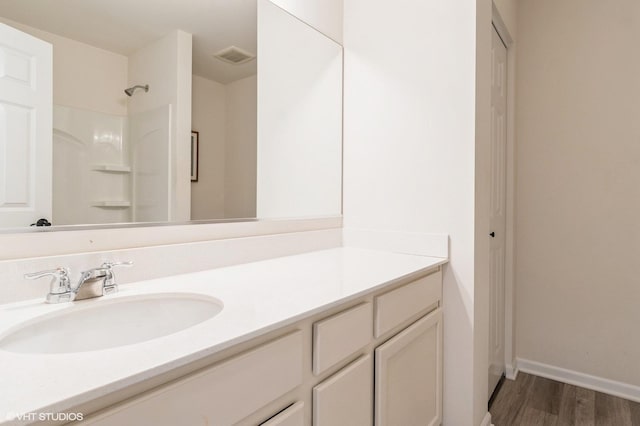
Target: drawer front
[220,395]
[341,335]
[292,416]
[399,305]
[346,398]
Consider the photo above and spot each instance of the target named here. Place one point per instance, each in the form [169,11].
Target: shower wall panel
[91,182]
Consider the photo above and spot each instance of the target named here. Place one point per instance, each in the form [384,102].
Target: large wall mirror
[148,111]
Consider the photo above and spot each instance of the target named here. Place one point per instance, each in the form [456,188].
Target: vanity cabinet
[376,359]
[220,395]
[408,372]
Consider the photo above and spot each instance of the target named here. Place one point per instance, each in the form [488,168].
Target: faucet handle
[58,272]
[60,286]
[110,285]
[109,265]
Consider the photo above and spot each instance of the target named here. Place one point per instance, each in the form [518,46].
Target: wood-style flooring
[532,401]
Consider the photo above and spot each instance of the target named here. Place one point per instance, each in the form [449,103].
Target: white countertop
[258,297]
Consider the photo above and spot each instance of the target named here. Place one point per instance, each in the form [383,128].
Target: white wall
[299,118]
[240,152]
[182,146]
[578,193]
[165,66]
[225,116]
[84,76]
[410,158]
[209,118]
[323,15]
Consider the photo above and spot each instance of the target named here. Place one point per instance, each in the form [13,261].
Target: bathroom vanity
[334,337]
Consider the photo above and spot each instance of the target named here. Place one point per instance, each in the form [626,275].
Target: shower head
[131,90]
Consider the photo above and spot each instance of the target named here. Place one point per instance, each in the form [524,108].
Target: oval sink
[96,325]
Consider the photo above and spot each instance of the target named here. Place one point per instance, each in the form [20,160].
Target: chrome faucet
[94,282]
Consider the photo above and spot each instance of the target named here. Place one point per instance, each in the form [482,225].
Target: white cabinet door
[346,398]
[408,375]
[25,128]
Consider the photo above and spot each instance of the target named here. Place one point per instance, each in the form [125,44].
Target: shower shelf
[111,168]
[111,204]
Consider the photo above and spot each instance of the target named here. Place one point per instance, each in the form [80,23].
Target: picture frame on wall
[195,141]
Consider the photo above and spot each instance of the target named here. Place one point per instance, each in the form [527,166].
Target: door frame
[511,369]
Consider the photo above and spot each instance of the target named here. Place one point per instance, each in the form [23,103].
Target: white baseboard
[487,420]
[611,387]
[511,370]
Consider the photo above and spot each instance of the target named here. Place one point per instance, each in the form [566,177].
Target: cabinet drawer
[220,395]
[399,305]
[341,335]
[346,398]
[292,416]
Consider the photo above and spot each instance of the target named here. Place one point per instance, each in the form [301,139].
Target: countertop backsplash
[160,261]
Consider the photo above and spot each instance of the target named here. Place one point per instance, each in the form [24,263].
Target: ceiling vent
[234,55]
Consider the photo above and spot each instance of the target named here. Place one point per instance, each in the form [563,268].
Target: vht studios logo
[52,417]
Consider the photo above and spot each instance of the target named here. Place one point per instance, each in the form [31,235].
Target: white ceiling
[124,26]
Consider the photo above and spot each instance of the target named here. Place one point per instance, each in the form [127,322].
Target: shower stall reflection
[109,168]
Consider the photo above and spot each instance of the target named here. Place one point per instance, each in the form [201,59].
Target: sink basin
[102,324]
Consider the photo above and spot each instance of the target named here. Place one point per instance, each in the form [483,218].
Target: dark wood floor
[532,401]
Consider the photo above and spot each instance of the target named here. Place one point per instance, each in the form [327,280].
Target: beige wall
[508,10]
[209,111]
[240,153]
[84,76]
[578,238]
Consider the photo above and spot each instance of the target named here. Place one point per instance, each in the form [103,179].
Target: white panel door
[26,77]
[408,375]
[498,210]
